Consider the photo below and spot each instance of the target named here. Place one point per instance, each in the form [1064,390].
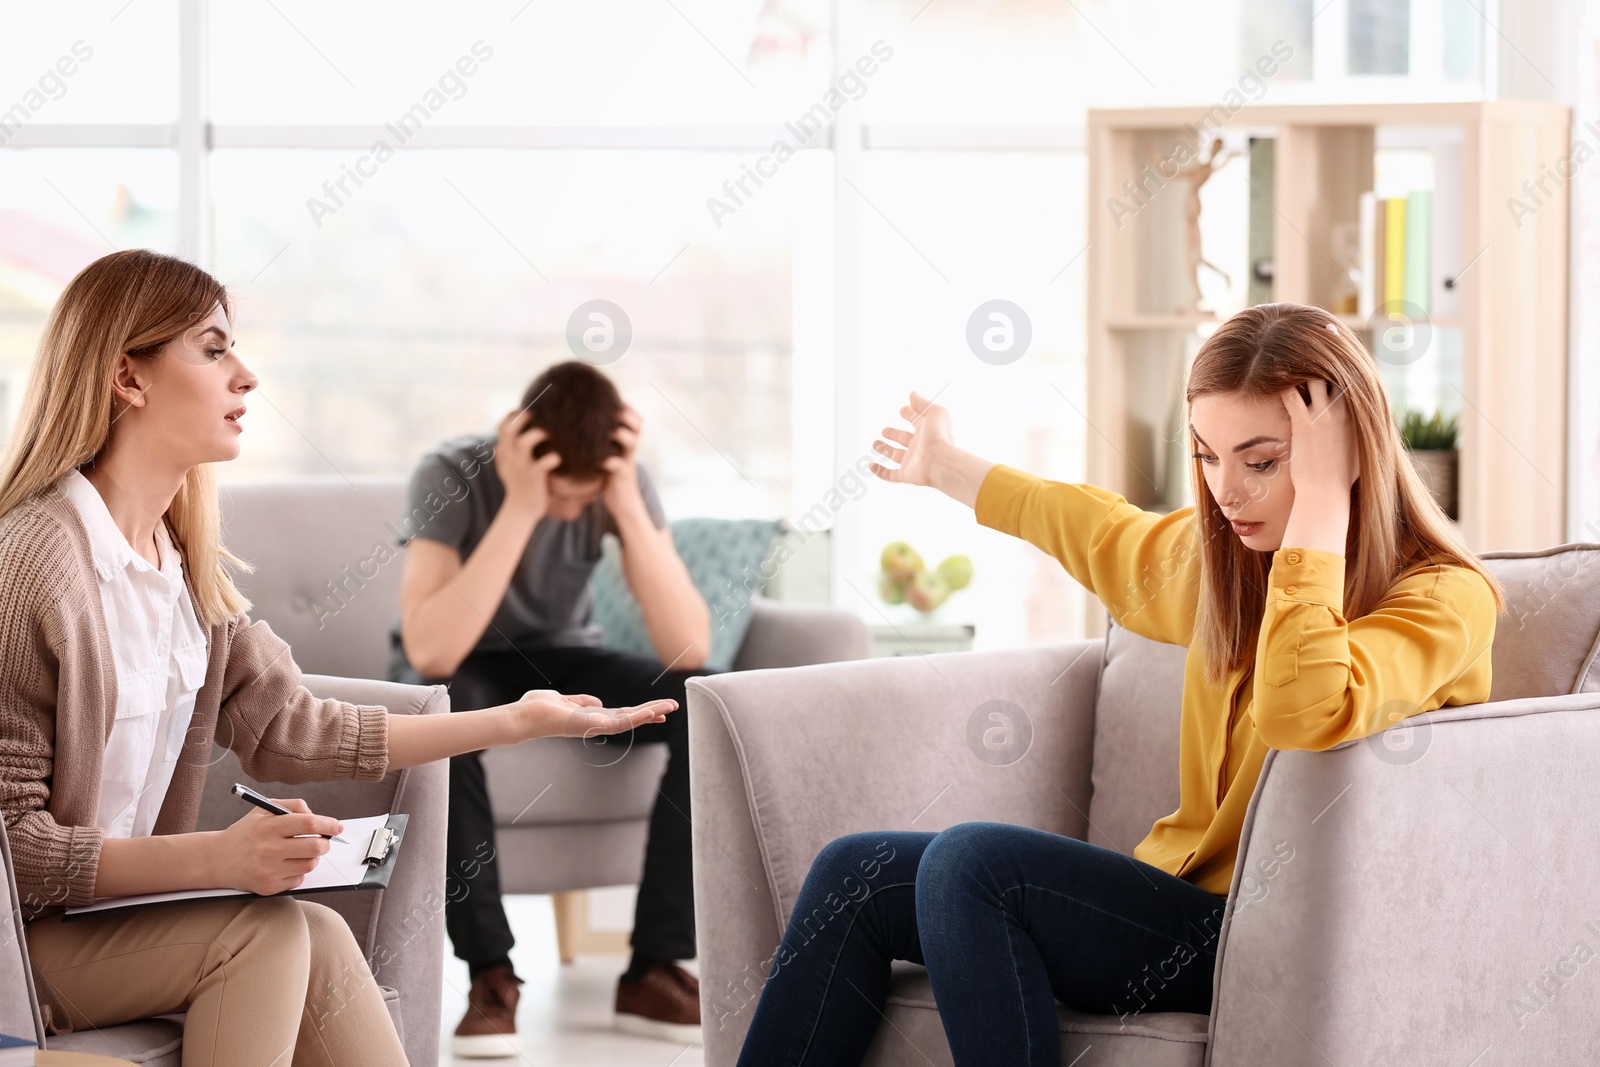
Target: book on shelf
[1369,221]
[1394,250]
[1418,287]
[1398,249]
[1262,219]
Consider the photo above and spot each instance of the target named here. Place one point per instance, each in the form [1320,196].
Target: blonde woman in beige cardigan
[106,491]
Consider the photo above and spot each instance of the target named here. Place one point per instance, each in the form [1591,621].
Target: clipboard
[368,862]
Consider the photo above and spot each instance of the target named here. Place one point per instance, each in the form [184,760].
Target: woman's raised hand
[928,436]
[929,455]
[547,713]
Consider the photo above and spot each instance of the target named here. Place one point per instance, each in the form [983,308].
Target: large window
[436,292]
[954,243]
[61,208]
[798,205]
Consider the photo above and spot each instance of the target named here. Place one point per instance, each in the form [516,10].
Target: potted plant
[1432,446]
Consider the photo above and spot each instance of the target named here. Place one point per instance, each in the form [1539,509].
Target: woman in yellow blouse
[1315,554]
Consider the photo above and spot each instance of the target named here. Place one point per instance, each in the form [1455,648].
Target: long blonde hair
[135,302]
[1394,519]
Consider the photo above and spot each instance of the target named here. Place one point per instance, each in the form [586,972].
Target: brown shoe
[664,1004]
[489,1029]
[688,979]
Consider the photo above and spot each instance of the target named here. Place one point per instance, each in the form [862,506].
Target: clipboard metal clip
[383,839]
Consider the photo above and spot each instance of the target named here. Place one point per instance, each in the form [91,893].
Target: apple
[891,589]
[956,571]
[900,560]
[927,591]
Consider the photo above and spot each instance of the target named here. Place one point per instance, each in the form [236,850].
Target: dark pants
[1007,920]
[663,923]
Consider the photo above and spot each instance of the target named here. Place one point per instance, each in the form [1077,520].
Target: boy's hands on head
[524,478]
[622,491]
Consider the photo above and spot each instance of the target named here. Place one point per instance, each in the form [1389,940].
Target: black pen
[245,793]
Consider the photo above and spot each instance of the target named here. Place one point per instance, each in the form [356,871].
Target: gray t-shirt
[455,493]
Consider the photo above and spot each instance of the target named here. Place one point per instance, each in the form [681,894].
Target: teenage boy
[503,532]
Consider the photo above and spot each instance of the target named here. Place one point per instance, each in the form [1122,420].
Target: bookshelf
[1499,338]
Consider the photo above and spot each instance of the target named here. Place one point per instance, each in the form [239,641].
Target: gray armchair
[328,581]
[1427,896]
[401,928]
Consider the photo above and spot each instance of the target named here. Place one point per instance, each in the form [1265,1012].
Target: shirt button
[1291,589]
[1292,557]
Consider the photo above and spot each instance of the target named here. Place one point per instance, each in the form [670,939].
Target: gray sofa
[1427,896]
[401,927]
[328,580]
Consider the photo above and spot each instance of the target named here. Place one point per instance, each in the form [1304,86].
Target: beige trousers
[264,980]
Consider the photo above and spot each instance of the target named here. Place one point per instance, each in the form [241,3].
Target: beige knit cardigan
[58,699]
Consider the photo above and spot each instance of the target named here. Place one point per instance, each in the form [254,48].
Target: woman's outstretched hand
[547,713]
[929,433]
[928,454]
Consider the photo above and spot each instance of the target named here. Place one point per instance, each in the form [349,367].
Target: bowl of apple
[906,579]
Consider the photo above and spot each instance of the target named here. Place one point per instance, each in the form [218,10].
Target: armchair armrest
[1422,896]
[786,760]
[19,1003]
[401,928]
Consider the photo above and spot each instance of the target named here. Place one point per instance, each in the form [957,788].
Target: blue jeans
[1007,920]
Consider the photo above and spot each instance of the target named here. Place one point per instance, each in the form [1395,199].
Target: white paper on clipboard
[342,866]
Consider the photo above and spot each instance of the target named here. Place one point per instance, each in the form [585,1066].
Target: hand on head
[1323,456]
[524,477]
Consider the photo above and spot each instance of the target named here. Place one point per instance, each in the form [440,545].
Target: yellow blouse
[1324,679]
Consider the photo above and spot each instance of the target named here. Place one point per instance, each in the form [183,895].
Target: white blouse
[159,649]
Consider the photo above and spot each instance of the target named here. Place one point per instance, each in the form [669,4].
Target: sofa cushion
[570,780]
[152,1042]
[327,574]
[17,1014]
[1545,642]
[158,1041]
[915,1037]
[1137,714]
[724,558]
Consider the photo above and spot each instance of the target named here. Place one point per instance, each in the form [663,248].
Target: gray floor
[565,1014]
